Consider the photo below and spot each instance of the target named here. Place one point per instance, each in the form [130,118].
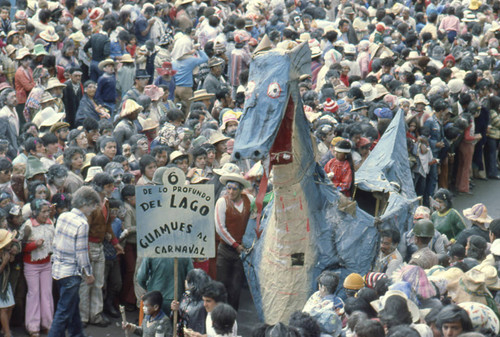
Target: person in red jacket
[24,81]
[340,169]
[39,234]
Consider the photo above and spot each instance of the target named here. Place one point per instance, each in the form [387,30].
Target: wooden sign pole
[176,294]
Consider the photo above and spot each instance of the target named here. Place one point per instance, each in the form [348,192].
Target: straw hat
[228,168]
[304,37]
[368,91]
[455,85]
[47,117]
[5,237]
[177,154]
[414,55]
[54,83]
[23,52]
[474,5]
[179,3]
[217,137]
[77,37]
[129,107]
[237,177]
[91,173]
[379,304]
[47,97]
[420,98]
[126,58]
[315,52]
[12,32]
[10,49]
[200,95]
[199,177]
[149,124]
[153,92]
[58,125]
[49,35]
[87,159]
[380,90]
[106,62]
[470,287]
[215,61]
[478,213]
[39,50]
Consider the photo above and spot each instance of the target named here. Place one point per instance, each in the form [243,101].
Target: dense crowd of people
[98,97]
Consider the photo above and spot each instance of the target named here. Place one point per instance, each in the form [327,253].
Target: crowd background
[108,94]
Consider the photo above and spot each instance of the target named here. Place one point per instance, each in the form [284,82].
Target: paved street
[487,192]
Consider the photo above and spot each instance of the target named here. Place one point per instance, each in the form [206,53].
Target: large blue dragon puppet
[302,231]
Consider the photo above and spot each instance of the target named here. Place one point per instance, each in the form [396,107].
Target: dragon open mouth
[281,150]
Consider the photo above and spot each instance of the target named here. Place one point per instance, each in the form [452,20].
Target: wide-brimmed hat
[455,85]
[413,55]
[33,167]
[5,237]
[177,154]
[154,92]
[39,50]
[54,83]
[77,37]
[474,5]
[126,58]
[380,91]
[166,69]
[348,10]
[237,177]
[179,3]
[23,52]
[47,97]
[217,137]
[470,17]
[199,177]
[478,213]
[87,159]
[379,304]
[141,73]
[105,62]
[315,51]
[470,287]
[10,49]
[149,124]
[481,316]
[228,168]
[49,35]
[359,104]
[91,173]
[47,117]
[129,107]
[368,91]
[200,95]
[304,37]
[420,98]
[58,125]
[215,61]
[96,14]
[12,32]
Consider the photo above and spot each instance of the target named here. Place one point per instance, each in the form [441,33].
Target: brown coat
[99,225]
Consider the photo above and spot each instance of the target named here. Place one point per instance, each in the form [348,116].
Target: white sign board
[174,219]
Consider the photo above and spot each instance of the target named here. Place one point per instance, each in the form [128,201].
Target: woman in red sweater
[39,234]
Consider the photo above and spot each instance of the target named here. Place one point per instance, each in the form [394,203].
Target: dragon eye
[274,90]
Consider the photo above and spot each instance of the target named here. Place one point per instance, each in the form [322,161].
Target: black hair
[44,16]
[31,142]
[69,154]
[223,318]
[5,164]
[457,250]
[105,140]
[79,10]
[216,291]
[175,114]
[445,195]
[305,323]
[477,247]
[453,313]
[154,298]
[330,280]
[197,279]
[391,233]
[395,312]
[109,25]
[90,124]
[145,161]
[494,226]
[32,186]
[99,160]
[56,171]
[402,331]
[62,200]
[369,328]
[49,138]
[128,191]
[102,179]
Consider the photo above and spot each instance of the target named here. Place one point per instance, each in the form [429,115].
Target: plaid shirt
[71,256]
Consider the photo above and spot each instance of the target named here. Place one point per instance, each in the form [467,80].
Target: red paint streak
[300,200]
[283,141]
[308,228]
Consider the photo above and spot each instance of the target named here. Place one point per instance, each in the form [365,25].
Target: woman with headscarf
[88,107]
[67,57]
